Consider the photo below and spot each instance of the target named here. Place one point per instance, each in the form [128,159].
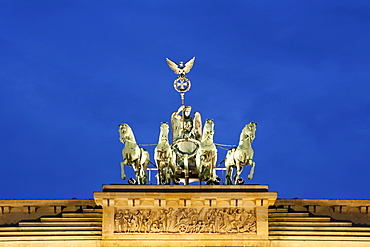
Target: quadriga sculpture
[207,154]
[163,157]
[133,155]
[241,155]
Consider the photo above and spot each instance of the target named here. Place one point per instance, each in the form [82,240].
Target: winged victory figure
[180,68]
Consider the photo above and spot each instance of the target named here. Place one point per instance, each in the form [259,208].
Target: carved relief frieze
[186,220]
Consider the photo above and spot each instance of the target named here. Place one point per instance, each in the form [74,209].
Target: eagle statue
[180,68]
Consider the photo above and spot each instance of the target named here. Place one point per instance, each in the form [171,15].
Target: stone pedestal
[192,215]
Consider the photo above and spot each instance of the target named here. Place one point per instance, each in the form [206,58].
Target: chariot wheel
[182,228]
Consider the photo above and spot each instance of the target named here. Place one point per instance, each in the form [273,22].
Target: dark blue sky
[71,71]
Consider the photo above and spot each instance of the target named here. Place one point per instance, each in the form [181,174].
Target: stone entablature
[356,211]
[192,214]
[13,211]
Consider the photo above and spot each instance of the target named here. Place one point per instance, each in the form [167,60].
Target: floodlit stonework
[170,214]
[192,215]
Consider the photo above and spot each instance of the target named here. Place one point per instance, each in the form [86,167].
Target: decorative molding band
[186,220]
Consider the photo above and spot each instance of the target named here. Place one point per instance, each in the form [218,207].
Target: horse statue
[241,155]
[163,157]
[206,157]
[133,155]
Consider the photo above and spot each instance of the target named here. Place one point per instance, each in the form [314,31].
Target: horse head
[208,130]
[164,129]
[163,135]
[249,132]
[125,132]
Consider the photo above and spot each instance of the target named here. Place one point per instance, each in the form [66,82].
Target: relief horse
[163,156]
[242,155]
[133,155]
[207,154]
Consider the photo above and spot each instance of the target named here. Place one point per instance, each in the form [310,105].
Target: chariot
[185,151]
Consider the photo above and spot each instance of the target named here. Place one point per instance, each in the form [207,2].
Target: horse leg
[136,167]
[142,175]
[137,176]
[168,174]
[158,165]
[209,173]
[229,173]
[159,174]
[206,171]
[199,165]
[213,168]
[163,175]
[186,169]
[144,169]
[250,176]
[171,175]
[123,175]
[235,177]
[238,171]
[229,164]
[201,175]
